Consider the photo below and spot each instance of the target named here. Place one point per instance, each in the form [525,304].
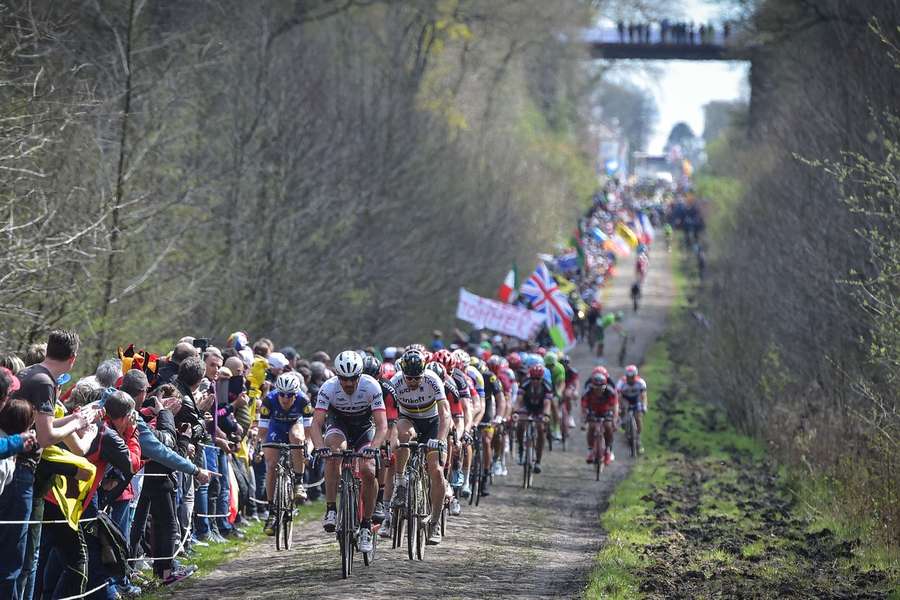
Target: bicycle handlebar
[284,446]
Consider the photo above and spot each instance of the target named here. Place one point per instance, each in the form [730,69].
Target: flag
[507,291]
[569,261]
[647,226]
[545,297]
[577,242]
[627,234]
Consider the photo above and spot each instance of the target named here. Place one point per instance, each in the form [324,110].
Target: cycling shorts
[359,433]
[639,408]
[533,411]
[488,415]
[608,415]
[279,431]
[426,428]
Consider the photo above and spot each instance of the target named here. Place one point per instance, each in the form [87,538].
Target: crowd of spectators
[673,32]
[133,466]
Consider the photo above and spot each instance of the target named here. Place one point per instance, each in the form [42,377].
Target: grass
[697,438]
[209,558]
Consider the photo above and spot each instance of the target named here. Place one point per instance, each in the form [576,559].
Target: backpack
[113,546]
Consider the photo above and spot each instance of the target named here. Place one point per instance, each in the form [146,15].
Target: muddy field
[724,527]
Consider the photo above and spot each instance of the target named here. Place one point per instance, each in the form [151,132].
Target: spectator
[16,418]
[38,387]
[35,354]
[436,342]
[169,371]
[213,361]
[12,362]
[191,433]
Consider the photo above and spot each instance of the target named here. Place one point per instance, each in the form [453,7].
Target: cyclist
[609,320]
[635,294]
[500,368]
[558,381]
[476,393]
[534,399]
[385,373]
[633,390]
[373,368]
[599,404]
[424,413]
[494,407]
[350,409]
[571,390]
[460,414]
[456,417]
[281,422]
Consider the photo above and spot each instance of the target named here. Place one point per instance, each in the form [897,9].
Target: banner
[485,313]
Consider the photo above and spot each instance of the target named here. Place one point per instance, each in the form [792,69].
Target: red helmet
[600,369]
[495,362]
[428,356]
[542,351]
[597,380]
[445,358]
[536,371]
[515,361]
[631,371]
[388,370]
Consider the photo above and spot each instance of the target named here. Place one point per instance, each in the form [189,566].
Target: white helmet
[348,364]
[287,383]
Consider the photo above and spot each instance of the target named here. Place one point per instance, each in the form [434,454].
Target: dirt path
[538,543]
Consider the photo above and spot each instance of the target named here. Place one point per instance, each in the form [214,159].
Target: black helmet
[371,366]
[412,363]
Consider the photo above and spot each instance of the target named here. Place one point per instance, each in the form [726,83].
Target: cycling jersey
[360,405]
[279,420]
[422,401]
[464,385]
[571,376]
[557,375]
[534,393]
[390,404]
[477,379]
[350,416]
[631,392]
[454,397]
[598,403]
[492,389]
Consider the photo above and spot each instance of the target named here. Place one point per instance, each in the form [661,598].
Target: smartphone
[201,344]
[204,386]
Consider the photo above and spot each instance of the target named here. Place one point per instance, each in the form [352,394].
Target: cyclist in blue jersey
[281,421]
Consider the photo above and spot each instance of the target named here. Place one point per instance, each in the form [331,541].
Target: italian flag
[507,291]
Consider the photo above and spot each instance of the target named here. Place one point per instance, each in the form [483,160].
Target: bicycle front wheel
[278,507]
[345,531]
[412,518]
[286,531]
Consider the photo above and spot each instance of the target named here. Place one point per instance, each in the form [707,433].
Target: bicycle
[476,471]
[415,508]
[631,432]
[350,509]
[529,452]
[283,500]
[595,424]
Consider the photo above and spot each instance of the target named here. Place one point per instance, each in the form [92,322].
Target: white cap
[277,360]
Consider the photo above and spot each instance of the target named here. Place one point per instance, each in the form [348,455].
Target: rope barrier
[212,516]
[87,593]
[178,551]
[54,522]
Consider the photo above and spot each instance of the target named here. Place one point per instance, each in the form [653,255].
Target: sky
[681,88]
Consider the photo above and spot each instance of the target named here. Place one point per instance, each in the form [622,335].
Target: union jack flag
[541,291]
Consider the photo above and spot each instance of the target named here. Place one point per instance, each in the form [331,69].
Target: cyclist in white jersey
[425,413]
[632,390]
[350,408]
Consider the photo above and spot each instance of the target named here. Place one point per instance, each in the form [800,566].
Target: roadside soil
[723,526]
[538,543]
